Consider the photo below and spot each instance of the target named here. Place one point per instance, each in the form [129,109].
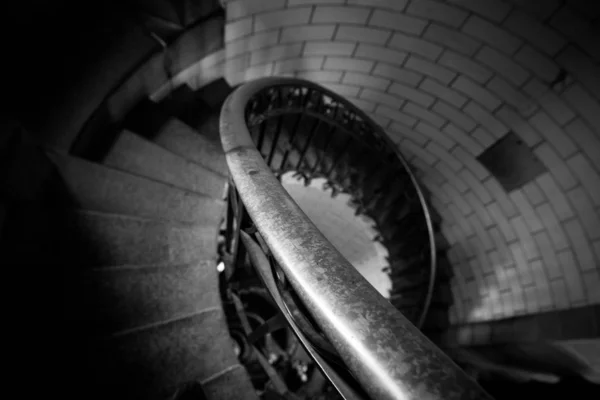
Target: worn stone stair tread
[210,128]
[76,238]
[145,241]
[108,300]
[135,154]
[99,188]
[187,142]
[154,123]
[188,348]
[230,385]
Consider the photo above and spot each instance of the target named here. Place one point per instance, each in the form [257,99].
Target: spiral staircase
[123,229]
[134,233]
[135,239]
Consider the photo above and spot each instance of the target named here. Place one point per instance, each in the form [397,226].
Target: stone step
[132,153]
[210,128]
[151,362]
[113,299]
[229,385]
[67,239]
[155,123]
[99,188]
[185,141]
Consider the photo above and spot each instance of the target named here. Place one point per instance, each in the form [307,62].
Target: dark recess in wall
[512,162]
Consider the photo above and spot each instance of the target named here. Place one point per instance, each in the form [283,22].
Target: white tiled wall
[446,79]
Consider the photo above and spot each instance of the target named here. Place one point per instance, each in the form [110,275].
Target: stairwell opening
[352,235]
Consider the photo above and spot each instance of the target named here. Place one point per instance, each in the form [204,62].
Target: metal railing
[301,127]
[382,350]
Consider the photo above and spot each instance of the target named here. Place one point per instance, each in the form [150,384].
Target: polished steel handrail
[388,355]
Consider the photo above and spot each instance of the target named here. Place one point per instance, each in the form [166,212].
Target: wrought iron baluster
[348,171]
[275,140]
[261,135]
[314,128]
[316,106]
[328,140]
[231,210]
[271,104]
[374,196]
[238,215]
[290,146]
[235,212]
[335,161]
[275,105]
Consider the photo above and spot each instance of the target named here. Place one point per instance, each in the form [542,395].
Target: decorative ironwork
[320,104]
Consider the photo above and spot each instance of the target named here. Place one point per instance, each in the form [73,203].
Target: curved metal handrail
[354,123]
[389,356]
